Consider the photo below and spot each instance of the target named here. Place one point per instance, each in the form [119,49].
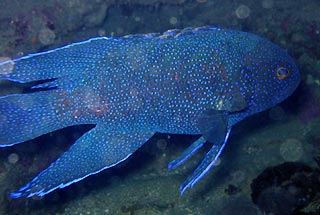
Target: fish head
[271,75]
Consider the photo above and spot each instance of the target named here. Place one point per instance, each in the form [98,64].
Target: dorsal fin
[173,33]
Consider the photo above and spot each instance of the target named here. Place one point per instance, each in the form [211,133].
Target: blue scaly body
[190,81]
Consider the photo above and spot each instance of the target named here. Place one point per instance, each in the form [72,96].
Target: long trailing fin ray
[207,163]
[214,127]
[186,154]
[96,150]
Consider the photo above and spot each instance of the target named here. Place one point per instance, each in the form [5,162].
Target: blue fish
[198,81]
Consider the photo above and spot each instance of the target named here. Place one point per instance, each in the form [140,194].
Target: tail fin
[26,116]
[65,61]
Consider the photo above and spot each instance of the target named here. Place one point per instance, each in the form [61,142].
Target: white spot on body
[26,102]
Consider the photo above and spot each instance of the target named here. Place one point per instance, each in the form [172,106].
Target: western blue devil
[199,81]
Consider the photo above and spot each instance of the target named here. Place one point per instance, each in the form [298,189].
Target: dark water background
[270,165]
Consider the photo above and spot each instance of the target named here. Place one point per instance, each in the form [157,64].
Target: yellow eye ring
[282,73]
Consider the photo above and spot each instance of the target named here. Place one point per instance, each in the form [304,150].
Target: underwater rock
[285,189]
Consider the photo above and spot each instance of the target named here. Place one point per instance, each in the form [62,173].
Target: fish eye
[282,73]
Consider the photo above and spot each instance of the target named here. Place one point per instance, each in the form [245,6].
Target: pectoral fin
[213,125]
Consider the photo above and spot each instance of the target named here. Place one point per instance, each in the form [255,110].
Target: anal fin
[95,151]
